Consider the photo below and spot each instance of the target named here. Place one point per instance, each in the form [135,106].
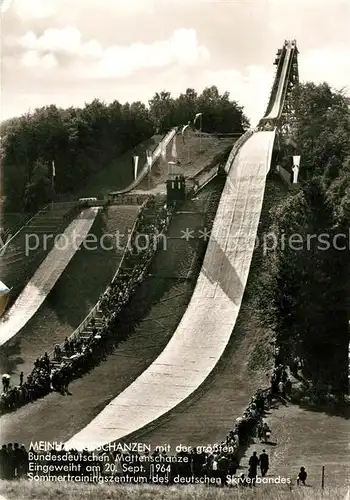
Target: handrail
[284,90]
[205,176]
[275,83]
[213,174]
[280,91]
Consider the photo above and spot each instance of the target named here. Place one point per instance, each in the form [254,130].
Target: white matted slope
[206,327]
[46,275]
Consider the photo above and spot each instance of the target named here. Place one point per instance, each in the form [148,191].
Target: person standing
[264,463]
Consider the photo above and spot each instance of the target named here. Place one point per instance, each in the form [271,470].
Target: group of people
[80,353]
[13,461]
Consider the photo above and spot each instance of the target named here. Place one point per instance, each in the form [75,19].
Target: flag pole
[188,146]
[200,133]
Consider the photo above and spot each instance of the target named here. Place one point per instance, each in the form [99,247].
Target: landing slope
[325,441]
[205,329]
[46,275]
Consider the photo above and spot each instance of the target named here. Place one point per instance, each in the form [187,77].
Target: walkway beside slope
[46,275]
[206,327]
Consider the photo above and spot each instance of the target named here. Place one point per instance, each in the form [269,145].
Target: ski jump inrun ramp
[46,275]
[206,327]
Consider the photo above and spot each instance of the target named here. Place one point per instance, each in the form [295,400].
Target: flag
[196,117]
[136,163]
[53,169]
[173,149]
[163,150]
[183,131]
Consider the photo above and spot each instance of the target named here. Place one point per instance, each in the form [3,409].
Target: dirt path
[150,320]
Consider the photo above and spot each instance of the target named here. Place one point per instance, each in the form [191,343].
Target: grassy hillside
[69,491]
[10,220]
[77,290]
[120,173]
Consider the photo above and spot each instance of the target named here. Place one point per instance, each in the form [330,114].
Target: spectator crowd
[82,351]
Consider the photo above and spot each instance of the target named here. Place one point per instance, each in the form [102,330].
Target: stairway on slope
[12,222]
[75,293]
[18,262]
[147,323]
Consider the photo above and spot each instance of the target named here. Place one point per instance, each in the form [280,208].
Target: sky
[68,52]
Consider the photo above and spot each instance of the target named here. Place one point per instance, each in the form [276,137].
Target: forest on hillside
[305,287]
[82,141]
